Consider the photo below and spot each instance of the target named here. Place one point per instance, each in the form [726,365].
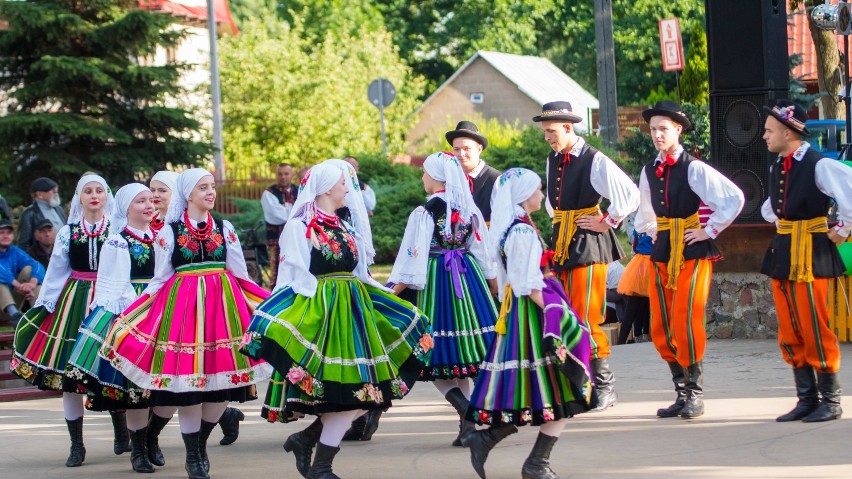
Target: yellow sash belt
[568,220]
[802,245]
[505,310]
[678,227]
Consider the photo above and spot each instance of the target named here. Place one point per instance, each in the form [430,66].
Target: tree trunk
[829,70]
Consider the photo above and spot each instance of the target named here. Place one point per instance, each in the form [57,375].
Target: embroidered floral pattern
[245,377]
[461,230]
[79,237]
[139,251]
[399,388]
[369,393]
[160,382]
[214,247]
[307,383]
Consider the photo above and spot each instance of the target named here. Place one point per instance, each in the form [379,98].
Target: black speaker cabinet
[747,45]
[737,148]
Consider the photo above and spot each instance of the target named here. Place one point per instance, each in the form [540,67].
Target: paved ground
[747,386]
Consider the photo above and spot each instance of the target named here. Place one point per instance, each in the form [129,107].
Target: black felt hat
[670,109]
[466,129]
[791,115]
[42,184]
[558,111]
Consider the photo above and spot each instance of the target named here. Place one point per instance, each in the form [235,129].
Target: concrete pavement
[747,385]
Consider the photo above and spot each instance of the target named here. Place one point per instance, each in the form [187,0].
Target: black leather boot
[482,441]
[121,443]
[194,468]
[203,436]
[829,405]
[230,424]
[321,469]
[604,391]
[806,391]
[139,451]
[680,388]
[302,443]
[694,382]
[537,465]
[371,425]
[155,427]
[78,450]
[356,430]
[456,398]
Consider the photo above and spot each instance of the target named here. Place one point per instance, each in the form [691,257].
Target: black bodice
[84,251]
[337,252]
[191,250]
[461,231]
[141,256]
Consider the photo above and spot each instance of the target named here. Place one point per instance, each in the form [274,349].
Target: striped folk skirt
[183,342]
[351,346]
[44,339]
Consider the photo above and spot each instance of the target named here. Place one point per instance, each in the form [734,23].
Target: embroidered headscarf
[512,188]
[445,167]
[123,199]
[76,213]
[168,178]
[180,195]
[357,209]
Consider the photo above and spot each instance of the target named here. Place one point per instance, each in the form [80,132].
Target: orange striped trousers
[677,316]
[586,288]
[803,333]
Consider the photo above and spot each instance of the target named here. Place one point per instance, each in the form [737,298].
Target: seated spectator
[20,275]
[42,247]
[46,205]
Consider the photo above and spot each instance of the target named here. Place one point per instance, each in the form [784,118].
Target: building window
[477,98]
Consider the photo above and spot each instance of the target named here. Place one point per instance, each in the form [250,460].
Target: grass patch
[381,272]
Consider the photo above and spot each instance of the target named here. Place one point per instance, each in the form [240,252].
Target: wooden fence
[245,183]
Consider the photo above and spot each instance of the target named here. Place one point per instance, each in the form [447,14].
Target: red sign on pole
[671,44]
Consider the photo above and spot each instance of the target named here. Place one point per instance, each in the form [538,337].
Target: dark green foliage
[78,100]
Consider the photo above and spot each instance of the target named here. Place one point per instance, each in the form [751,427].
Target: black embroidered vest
[188,250]
[337,252]
[483,185]
[437,207]
[84,252]
[141,257]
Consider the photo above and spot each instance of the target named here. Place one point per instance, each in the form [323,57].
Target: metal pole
[606,72]
[382,117]
[846,96]
[216,99]
[677,80]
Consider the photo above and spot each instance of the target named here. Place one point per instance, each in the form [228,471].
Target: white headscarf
[168,178]
[445,167]
[76,213]
[123,199]
[180,195]
[513,187]
[357,209]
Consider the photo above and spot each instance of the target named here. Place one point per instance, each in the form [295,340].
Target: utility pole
[607,92]
[216,97]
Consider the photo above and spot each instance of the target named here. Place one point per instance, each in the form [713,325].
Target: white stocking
[553,428]
[212,411]
[137,419]
[165,412]
[335,425]
[444,385]
[189,418]
[464,385]
[72,405]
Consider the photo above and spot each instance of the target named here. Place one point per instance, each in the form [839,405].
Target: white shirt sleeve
[767,212]
[479,249]
[369,196]
[164,245]
[835,180]
[58,271]
[274,212]
[235,261]
[611,182]
[295,260]
[547,206]
[646,219]
[113,290]
[523,260]
[724,197]
[412,261]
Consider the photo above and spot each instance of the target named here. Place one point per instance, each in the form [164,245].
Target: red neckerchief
[669,161]
[788,161]
[321,217]
[566,159]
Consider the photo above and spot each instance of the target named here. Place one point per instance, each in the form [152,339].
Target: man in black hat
[468,144]
[578,177]
[672,187]
[44,236]
[803,258]
[46,205]
[20,275]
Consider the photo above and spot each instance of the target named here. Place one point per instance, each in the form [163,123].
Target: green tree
[694,84]
[79,100]
[288,98]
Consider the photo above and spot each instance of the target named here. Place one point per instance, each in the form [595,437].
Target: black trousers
[637,316]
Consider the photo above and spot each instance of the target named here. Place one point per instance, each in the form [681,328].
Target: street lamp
[837,18]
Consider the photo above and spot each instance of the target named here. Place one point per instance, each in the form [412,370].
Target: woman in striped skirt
[181,338]
[537,369]
[45,336]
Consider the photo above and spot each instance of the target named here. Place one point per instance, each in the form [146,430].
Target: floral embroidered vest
[141,257]
[189,250]
[83,251]
[337,252]
[461,230]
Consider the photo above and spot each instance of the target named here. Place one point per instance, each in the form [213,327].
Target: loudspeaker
[748,66]
[747,45]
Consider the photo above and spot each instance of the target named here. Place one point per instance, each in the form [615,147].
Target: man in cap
[468,144]
[803,258]
[672,189]
[578,177]
[42,247]
[46,204]
[20,274]
[276,202]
